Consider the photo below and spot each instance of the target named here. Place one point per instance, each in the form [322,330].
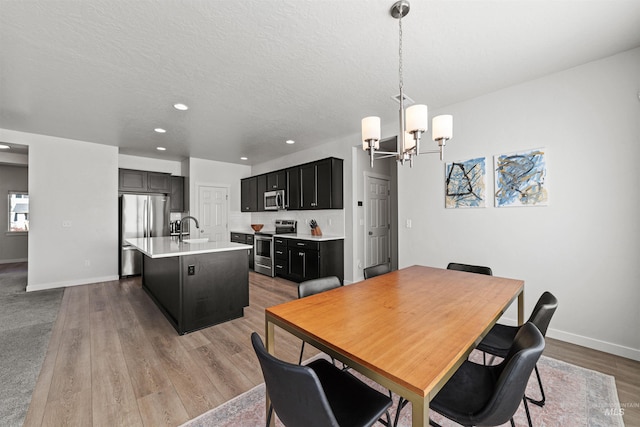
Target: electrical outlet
[87,263]
[191,270]
[66,224]
[408,223]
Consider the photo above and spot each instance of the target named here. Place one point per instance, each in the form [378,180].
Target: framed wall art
[466,183]
[521,178]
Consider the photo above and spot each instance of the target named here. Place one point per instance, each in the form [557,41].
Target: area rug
[575,397]
[26,321]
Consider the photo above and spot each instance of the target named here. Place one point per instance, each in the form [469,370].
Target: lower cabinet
[299,260]
[246,239]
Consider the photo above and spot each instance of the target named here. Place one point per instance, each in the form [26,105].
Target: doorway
[213,212]
[377,220]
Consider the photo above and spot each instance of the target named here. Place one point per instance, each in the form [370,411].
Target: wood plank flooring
[113,359]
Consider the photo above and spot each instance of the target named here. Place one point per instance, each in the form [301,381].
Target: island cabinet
[195,283]
[249,194]
[299,259]
[198,290]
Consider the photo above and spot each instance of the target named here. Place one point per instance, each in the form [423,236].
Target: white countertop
[323,238]
[163,247]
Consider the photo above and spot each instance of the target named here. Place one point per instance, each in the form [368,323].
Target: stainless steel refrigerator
[141,215]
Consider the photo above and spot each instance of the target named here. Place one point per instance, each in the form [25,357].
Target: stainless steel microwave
[274,200]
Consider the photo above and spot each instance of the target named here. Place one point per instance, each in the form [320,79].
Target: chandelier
[413,122]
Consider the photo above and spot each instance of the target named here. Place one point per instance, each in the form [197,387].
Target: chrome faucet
[180,222]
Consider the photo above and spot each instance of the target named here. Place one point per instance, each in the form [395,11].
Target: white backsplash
[330,221]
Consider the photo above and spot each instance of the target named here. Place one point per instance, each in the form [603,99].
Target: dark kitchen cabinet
[277,180]
[308,259]
[281,256]
[321,184]
[262,187]
[132,180]
[249,194]
[246,239]
[159,182]
[137,181]
[293,188]
[177,194]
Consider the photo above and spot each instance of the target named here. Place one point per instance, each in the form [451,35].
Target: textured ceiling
[257,72]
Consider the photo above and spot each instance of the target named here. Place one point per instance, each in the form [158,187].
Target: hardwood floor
[113,359]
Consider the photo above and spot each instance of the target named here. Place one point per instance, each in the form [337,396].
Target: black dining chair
[318,394]
[315,286]
[500,337]
[478,269]
[376,270]
[490,395]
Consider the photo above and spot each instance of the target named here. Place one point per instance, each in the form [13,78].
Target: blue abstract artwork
[466,184]
[520,179]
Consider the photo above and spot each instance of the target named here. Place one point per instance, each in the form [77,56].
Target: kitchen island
[195,283]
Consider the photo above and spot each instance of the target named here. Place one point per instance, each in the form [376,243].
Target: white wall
[126,161]
[75,182]
[585,246]
[13,246]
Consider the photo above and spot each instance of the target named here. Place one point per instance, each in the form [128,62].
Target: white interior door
[377,221]
[213,212]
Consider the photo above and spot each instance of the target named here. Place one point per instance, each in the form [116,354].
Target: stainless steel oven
[263,254]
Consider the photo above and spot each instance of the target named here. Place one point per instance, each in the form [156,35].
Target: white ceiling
[257,72]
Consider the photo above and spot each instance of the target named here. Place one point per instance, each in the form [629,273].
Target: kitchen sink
[203,240]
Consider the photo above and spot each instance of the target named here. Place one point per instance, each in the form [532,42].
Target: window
[18,211]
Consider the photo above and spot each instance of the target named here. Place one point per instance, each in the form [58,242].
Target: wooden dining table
[408,330]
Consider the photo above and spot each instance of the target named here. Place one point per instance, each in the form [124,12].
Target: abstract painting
[521,179]
[466,184]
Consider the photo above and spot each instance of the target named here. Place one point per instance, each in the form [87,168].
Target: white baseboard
[13,261]
[64,284]
[593,343]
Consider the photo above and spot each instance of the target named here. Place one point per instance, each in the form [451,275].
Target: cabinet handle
[279,252]
[301,254]
[300,244]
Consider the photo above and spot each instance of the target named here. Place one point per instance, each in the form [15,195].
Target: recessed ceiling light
[244,158]
[4,147]
[181,107]
[290,141]
[161,149]
[160,130]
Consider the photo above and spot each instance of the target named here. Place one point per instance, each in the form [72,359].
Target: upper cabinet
[293,188]
[314,185]
[249,194]
[321,185]
[277,180]
[144,182]
[177,194]
[262,188]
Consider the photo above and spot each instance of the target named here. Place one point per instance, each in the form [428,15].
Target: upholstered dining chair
[490,395]
[500,337]
[315,286]
[478,269]
[318,394]
[376,270]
